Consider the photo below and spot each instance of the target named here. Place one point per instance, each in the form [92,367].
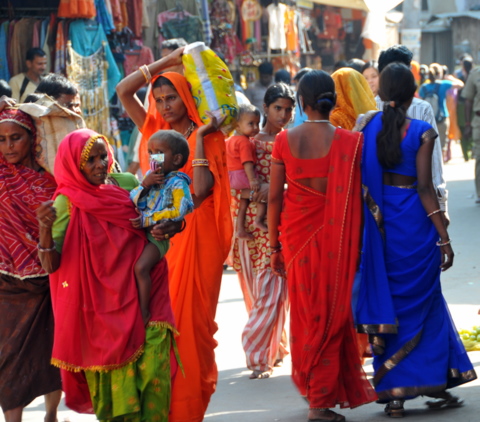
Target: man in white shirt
[26,83]
[420,110]
[471,93]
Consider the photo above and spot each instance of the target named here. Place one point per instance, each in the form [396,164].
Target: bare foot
[324,415]
[243,234]
[260,225]
[146,316]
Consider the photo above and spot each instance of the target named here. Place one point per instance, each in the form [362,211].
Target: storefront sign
[251,10]
[412,39]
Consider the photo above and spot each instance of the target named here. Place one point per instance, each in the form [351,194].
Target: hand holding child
[137,221]
[153,178]
[254,185]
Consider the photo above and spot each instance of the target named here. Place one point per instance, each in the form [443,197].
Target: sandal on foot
[278,363]
[395,409]
[257,374]
[329,417]
[441,403]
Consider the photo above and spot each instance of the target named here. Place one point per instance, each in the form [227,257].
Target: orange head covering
[354,97]
[214,145]
[154,121]
[415,68]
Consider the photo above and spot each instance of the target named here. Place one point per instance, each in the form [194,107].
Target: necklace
[189,130]
[317,121]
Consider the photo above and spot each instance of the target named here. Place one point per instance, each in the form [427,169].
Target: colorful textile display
[90,74]
[211,84]
[53,123]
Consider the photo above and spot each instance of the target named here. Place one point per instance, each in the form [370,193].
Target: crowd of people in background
[328,199]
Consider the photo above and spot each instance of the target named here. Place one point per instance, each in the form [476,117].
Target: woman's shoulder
[127,181]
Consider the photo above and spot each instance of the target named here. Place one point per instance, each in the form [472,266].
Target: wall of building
[466,37]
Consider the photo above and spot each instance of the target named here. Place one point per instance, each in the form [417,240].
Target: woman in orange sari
[197,254]
[354,97]
[319,222]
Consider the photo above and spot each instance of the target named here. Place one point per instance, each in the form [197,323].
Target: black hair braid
[389,153]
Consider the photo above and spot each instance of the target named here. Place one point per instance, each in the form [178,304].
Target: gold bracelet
[200,162]
[146,73]
[434,212]
[43,250]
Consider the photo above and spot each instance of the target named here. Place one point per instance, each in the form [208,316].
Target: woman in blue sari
[405,247]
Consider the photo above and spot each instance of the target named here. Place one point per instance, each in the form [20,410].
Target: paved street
[275,399]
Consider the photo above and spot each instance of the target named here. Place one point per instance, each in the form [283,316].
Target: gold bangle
[146,73]
[43,250]
[434,212]
[196,162]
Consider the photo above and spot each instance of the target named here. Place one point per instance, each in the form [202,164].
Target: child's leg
[148,259]
[240,231]
[259,222]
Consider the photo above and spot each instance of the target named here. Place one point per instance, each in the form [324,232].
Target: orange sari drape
[354,97]
[320,234]
[76,9]
[195,261]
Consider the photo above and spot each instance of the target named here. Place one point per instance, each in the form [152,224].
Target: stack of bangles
[440,243]
[146,73]
[275,249]
[200,162]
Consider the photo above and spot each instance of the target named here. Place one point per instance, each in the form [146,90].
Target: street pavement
[275,399]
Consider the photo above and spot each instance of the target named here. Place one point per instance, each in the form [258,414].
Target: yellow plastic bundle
[212,85]
[471,339]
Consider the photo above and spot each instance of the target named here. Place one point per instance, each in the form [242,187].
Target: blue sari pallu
[417,350]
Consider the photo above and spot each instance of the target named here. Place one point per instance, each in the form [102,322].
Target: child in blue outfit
[163,194]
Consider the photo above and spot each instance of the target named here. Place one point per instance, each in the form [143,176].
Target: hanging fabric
[276,26]
[76,9]
[90,75]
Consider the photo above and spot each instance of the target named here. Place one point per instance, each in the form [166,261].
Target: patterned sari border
[396,358]
[377,328]
[96,368]
[24,277]
[374,210]
[429,134]
[455,378]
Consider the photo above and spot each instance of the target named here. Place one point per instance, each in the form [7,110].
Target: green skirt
[139,391]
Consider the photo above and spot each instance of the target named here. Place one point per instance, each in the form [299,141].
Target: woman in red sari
[319,221]
[26,322]
[197,254]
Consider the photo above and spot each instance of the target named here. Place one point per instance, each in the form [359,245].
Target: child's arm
[250,171]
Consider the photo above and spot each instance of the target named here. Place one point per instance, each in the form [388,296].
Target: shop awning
[366,5]
[349,4]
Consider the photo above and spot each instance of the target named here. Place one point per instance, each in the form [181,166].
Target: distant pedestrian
[371,74]
[471,93]
[26,83]
[256,91]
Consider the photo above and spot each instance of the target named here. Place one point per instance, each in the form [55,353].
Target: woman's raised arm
[127,88]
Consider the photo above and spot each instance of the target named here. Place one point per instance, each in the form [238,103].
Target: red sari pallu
[320,234]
